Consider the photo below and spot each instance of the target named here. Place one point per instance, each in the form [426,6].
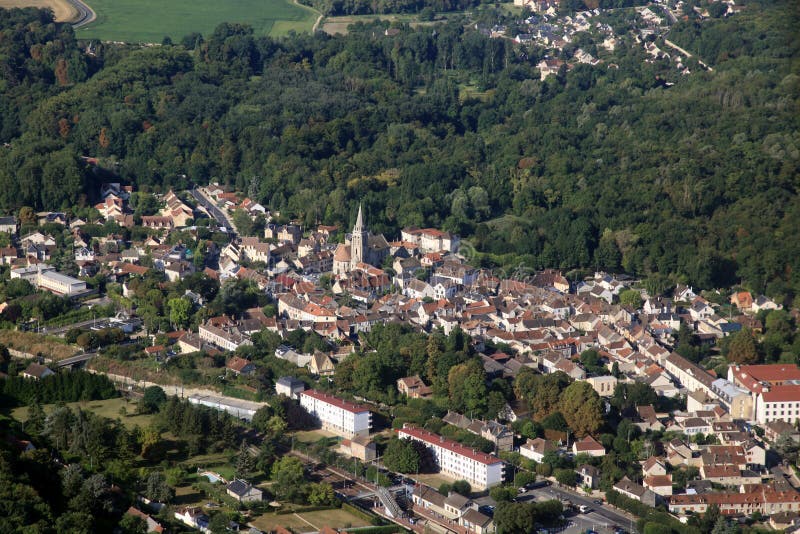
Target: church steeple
[358,241]
[359,227]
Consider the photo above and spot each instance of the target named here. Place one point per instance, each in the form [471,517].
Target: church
[359,247]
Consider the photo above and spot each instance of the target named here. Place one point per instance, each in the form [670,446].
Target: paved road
[59,330]
[600,514]
[75,359]
[85,14]
[214,211]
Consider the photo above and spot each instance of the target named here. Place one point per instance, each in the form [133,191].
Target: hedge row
[363,514]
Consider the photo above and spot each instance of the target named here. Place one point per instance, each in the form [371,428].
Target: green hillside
[627,166]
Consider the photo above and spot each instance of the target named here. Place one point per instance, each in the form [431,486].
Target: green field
[106,408]
[149,21]
[305,521]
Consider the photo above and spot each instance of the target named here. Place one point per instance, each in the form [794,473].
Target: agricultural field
[63,10]
[338,25]
[149,21]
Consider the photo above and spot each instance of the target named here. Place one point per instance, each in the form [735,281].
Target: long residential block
[336,415]
[481,470]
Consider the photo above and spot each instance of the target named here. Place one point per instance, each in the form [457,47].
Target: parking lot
[599,517]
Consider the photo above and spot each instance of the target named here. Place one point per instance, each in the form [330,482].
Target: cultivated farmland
[149,21]
[63,10]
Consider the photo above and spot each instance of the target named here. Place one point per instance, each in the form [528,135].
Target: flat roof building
[238,408]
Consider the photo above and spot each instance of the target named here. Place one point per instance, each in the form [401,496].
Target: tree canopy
[634,167]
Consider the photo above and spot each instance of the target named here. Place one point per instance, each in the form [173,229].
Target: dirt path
[319,17]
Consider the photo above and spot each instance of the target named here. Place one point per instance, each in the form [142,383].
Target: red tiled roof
[766,495]
[782,394]
[440,441]
[588,444]
[335,401]
[777,372]
[237,364]
[658,481]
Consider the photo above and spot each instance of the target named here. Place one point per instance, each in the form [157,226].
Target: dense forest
[625,166]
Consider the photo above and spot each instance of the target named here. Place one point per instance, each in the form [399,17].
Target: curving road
[85,13]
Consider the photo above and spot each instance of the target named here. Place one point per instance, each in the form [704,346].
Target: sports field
[149,21]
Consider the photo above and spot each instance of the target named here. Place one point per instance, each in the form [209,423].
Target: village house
[8,224]
[759,498]
[413,387]
[289,386]
[589,476]
[635,491]
[588,445]
[193,517]
[537,448]
[659,484]
[157,222]
[243,491]
[151,525]
[223,335]
[35,371]
[430,239]
[240,366]
[321,364]
[359,447]
[603,385]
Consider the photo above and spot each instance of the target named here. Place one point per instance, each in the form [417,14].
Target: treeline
[365,7]
[62,387]
[201,427]
[627,166]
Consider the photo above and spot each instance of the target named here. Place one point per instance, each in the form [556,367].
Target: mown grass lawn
[149,21]
[337,519]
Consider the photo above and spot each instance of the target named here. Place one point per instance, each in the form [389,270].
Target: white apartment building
[337,415]
[774,389]
[230,339]
[481,470]
[254,250]
[430,239]
[690,376]
[778,403]
[45,277]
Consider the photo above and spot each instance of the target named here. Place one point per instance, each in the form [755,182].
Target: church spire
[358,241]
[359,227]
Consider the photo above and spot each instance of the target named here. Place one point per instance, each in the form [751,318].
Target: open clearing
[63,10]
[105,408]
[334,25]
[149,21]
[333,518]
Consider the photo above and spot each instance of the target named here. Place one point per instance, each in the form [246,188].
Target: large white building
[774,389]
[337,415]
[45,277]
[238,408]
[430,239]
[225,338]
[481,470]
